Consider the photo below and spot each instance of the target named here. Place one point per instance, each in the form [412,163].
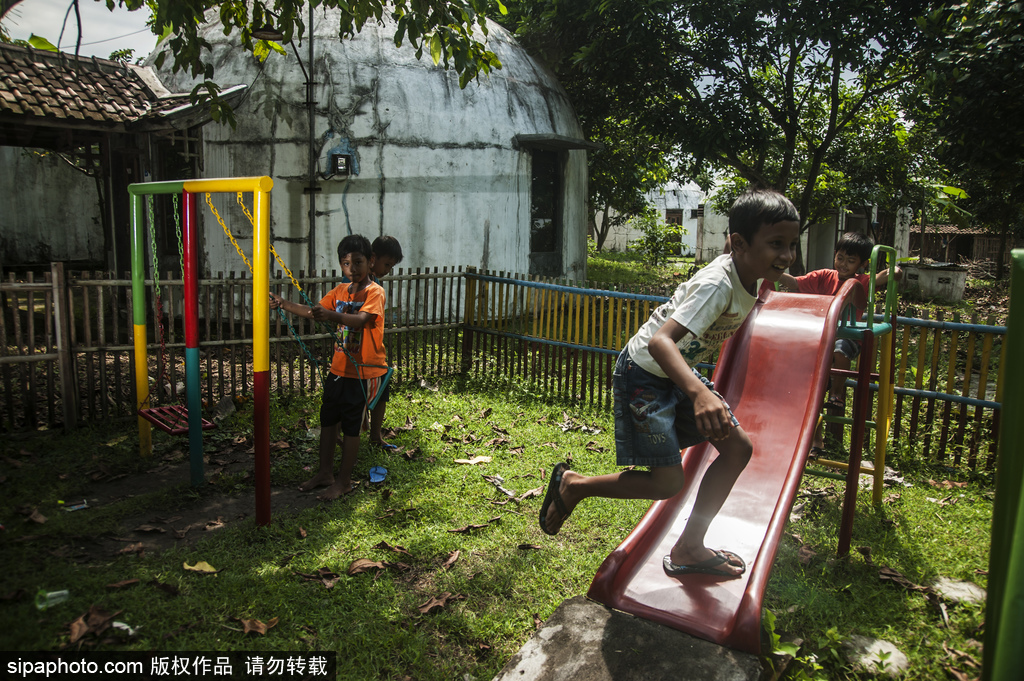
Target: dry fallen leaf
[96,621]
[302,533]
[805,554]
[887,574]
[131,548]
[530,493]
[364,564]
[530,546]
[149,528]
[201,567]
[323,575]
[475,460]
[257,627]
[467,528]
[37,517]
[388,547]
[438,602]
[452,557]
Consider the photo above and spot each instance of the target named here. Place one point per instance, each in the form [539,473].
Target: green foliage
[759,90]
[124,56]
[609,268]
[41,43]
[452,31]
[659,240]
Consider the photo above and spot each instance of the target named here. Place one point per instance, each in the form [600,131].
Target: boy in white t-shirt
[663,405]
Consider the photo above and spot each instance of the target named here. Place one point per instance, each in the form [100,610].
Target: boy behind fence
[853,251]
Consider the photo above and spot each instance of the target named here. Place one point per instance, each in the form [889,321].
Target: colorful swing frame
[260,187]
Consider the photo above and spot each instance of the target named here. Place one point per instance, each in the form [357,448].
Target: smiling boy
[663,405]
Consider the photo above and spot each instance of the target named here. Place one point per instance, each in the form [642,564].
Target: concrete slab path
[587,641]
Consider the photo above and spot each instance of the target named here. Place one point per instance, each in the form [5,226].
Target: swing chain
[152,244]
[162,359]
[227,231]
[280,260]
[181,242]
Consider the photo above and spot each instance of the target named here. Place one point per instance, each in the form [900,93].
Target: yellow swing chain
[280,261]
[227,231]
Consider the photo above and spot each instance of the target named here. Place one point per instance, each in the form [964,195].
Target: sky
[103,31]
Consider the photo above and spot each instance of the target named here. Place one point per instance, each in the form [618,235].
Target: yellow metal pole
[883,416]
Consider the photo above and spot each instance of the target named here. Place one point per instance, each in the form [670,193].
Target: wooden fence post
[66,358]
[468,320]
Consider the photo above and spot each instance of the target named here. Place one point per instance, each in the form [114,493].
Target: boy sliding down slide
[662,405]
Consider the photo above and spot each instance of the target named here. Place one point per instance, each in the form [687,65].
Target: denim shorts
[654,419]
[849,348]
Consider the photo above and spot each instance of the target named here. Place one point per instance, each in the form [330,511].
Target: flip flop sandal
[552,496]
[705,567]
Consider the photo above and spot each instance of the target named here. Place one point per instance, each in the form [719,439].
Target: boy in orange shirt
[358,310]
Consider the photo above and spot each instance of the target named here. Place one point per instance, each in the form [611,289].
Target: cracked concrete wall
[51,211]
[436,165]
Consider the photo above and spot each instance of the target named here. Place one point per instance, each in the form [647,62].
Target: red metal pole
[861,403]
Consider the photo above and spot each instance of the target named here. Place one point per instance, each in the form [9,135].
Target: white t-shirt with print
[711,306]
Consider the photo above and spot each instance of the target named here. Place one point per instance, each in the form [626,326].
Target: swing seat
[172,419]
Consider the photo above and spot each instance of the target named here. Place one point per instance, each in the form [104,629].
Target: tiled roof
[57,89]
[949,229]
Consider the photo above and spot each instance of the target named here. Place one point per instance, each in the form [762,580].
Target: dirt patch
[190,519]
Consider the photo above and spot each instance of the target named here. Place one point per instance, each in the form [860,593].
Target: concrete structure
[678,205]
[586,641]
[493,175]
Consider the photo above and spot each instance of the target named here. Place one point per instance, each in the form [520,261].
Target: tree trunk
[798,268]
[602,231]
[1004,234]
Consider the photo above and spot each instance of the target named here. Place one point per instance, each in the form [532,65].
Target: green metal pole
[1003,657]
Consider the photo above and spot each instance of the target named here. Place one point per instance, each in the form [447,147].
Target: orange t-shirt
[364,345]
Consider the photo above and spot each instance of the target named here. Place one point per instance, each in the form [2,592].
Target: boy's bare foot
[336,491]
[707,561]
[318,480]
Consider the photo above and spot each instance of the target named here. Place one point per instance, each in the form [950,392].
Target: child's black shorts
[343,402]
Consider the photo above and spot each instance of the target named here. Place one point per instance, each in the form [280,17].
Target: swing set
[173,419]
[177,419]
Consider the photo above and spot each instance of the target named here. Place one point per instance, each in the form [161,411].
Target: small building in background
[74,133]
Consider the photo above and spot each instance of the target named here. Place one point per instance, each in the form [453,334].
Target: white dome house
[492,176]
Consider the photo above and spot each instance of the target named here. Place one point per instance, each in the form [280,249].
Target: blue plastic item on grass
[378,473]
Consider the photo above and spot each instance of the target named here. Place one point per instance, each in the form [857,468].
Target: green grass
[629,269]
[373,620]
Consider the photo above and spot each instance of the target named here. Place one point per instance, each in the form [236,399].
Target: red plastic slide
[773,374]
